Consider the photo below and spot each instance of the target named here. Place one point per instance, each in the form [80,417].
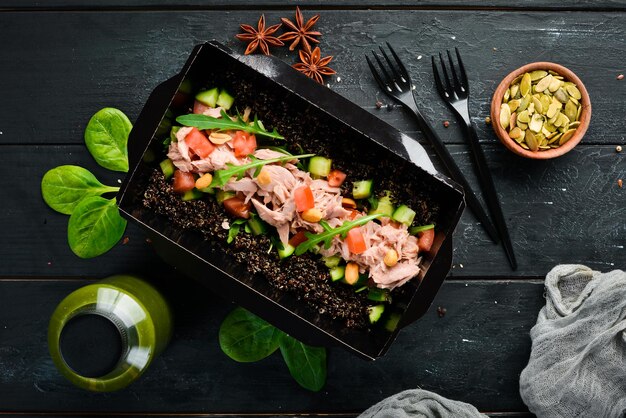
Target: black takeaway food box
[285,98]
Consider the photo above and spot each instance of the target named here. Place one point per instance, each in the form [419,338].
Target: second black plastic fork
[396,83]
[455,92]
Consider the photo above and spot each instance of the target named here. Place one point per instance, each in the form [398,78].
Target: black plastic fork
[395,81]
[455,92]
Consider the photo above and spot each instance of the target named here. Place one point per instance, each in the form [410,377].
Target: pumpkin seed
[523,117]
[552,109]
[522,126]
[545,101]
[570,110]
[515,91]
[514,104]
[574,125]
[538,105]
[561,96]
[580,109]
[505,115]
[507,95]
[543,84]
[554,85]
[523,145]
[573,91]
[517,79]
[531,141]
[537,74]
[524,86]
[523,105]
[566,136]
[515,133]
[513,120]
[536,123]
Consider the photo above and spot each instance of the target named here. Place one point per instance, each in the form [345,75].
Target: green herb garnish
[233,231]
[221,177]
[414,230]
[329,233]
[225,123]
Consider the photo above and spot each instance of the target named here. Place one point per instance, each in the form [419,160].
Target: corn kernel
[204,181]
[219,138]
[312,215]
[352,273]
[391,258]
[264,178]
[346,202]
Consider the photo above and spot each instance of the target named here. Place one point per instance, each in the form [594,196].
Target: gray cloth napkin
[417,403]
[577,366]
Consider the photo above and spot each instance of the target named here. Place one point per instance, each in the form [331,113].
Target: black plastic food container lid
[198,258]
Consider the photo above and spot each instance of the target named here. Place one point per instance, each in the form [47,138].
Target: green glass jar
[103,336]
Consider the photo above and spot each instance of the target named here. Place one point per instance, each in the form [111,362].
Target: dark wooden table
[61,61]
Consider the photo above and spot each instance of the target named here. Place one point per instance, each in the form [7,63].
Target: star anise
[301,31]
[260,37]
[313,65]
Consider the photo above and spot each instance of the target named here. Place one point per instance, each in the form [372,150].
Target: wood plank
[485,320]
[279,4]
[53,81]
[568,210]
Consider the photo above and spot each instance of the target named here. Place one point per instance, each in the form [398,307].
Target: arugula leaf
[329,233]
[306,364]
[225,123]
[221,177]
[233,231]
[245,337]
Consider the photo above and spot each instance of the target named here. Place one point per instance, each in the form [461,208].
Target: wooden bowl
[502,134]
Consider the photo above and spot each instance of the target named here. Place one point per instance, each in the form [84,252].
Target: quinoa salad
[338,237]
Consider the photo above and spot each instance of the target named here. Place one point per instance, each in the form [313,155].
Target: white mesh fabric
[577,366]
[417,403]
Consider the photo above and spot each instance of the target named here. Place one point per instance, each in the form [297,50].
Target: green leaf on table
[106,137]
[94,227]
[245,337]
[65,186]
[306,364]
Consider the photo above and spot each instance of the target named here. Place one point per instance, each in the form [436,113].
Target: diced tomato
[354,214]
[183,182]
[243,143]
[236,207]
[298,238]
[355,241]
[199,143]
[425,240]
[199,108]
[336,178]
[303,197]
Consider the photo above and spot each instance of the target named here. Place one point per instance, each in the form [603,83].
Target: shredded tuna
[274,203]
[215,112]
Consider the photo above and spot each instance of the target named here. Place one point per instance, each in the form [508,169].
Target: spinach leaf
[245,337]
[65,186]
[306,364]
[106,137]
[94,227]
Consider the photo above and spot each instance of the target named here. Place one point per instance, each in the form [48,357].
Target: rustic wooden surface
[58,67]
